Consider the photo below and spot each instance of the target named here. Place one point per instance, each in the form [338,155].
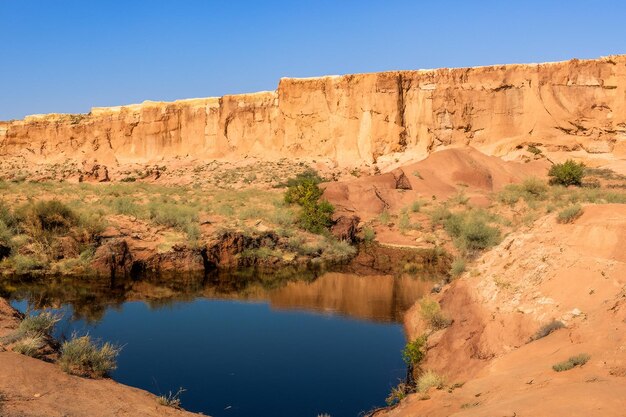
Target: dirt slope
[575,273]
[573,106]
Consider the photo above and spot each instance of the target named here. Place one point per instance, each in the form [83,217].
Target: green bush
[578,360]
[568,173]
[414,352]
[569,214]
[304,191]
[471,231]
[81,356]
[24,264]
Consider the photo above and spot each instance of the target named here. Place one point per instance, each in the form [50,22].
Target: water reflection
[381,298]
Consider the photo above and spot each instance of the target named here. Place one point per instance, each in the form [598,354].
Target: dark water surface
[259,348]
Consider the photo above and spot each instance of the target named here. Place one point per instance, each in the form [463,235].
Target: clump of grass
[416,206]
[546,329]
[431,312]
[569,214]
[42,323]
[82,356]
[51,216]
[414,351]
[384,218]
[29,345]
[126,205]
[25,264]
[572,362]
[428,380]
[368,235]
[457,267]
[534,150]
[397,394]
[171,399]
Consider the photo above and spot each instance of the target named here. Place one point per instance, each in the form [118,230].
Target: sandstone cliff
[577,105]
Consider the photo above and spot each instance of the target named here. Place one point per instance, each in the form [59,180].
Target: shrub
[416,206]
[369,235]
[568,173]
[29,345]
[428,380]
[173,215]
[384,218]
[81,356]
[534,187]
[304,191]
[533,149]
[414,351]
[42,323]
[431,312]
[404,223]
[171,399]
[45,218]
[569,214]
[127,206]
[397,394]
[457,267]
[470,230]
[316,217]
[24,264]
[578,360]
[546,329]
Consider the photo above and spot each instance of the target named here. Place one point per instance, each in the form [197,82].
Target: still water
[244,347]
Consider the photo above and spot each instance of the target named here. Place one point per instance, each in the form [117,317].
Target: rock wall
[354,119]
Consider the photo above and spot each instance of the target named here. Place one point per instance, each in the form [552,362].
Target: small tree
[568,173]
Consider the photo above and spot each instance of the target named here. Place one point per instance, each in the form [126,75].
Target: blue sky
[67,56]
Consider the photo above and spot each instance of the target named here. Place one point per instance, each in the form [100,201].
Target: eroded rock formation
[354,119]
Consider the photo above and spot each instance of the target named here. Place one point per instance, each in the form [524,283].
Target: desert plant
[533,149]
[569,214]
[546,329]
[568,173]
[171,399]
[428,380]
[304,191]
[573,361]
[25,264]
[82,356]
[47,216]
[414,351]
[431,312]
[457,267]
[397,394]
[368,235]
[384,218]
[29,345]
[42,323]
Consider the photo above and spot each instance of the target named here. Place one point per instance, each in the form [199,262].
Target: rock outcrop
[577,105]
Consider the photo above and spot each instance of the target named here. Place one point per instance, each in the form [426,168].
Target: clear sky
[67,56]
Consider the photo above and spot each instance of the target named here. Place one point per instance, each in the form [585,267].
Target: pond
[244,346]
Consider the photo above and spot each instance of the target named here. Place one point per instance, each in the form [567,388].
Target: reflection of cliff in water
[372,297]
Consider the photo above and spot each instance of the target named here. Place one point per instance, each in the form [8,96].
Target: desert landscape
[464,227]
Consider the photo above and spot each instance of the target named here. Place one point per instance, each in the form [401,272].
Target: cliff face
[352,119]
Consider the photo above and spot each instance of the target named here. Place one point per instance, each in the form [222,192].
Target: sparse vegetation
[397,394]
[534,150]
[569,214]
[546,329]
[572,362]
[369,235]
[29,345]
[429,379]
[432,314]
[82,356]
[457,267]
[171,399]
[42,323]
[568,173]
